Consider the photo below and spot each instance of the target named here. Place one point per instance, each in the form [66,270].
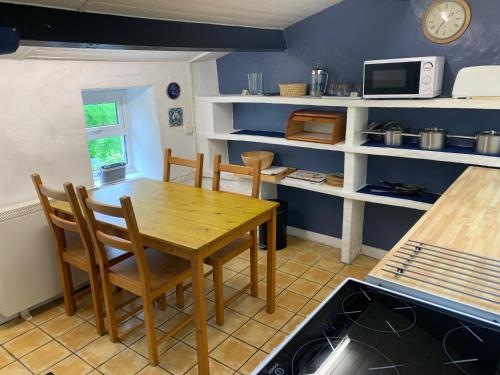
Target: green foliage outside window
[100,114]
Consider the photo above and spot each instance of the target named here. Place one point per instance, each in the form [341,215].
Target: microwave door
[392,78]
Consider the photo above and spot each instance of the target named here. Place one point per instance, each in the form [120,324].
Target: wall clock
[173,90]
[446,20]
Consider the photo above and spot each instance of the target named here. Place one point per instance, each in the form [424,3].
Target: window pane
[105,151]
[100,114]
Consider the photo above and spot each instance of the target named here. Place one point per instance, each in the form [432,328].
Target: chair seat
[231,250]
[165,271]
[75,254]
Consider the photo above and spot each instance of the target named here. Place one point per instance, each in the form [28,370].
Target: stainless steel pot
[487,142]
[392,135]
[432,139]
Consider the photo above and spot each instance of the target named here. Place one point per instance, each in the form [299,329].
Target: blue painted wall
[341,38]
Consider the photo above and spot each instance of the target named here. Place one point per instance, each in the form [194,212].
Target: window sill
[131,175]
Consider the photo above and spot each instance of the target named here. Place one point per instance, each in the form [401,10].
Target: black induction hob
[364,329]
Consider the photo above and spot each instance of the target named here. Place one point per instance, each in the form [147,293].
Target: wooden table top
[181,215]
[465,219]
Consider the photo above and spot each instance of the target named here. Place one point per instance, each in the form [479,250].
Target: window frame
[120,129]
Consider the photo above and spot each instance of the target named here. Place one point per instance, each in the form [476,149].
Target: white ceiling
[86,54]
[277,14]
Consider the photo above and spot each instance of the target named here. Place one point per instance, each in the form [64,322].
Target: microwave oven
[415,77]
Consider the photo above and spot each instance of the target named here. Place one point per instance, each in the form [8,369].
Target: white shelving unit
[217,128]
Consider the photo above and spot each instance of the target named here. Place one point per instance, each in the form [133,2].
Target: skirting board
[334,241]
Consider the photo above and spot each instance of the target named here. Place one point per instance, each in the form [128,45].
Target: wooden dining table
[192,223]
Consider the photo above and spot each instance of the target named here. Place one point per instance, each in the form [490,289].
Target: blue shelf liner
[424,198]
[414,146]
[262,133]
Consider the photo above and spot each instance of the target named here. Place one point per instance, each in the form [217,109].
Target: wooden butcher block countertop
[453,252]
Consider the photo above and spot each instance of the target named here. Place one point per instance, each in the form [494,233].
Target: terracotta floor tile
[45,357]
[364,260]
[100,351]
[209,308]
[5,358]
[308,307]
[126,362]
[273,342]
[78,337]
[357,272]
[335,281]
[178,359]
[291,301]
[261,268]
[44,313]
[247,305]
[329,265]
[215,337]
[233,353]
[14,328]
[323,293]
[238,281]
[15,368]
[216,368]
[141,346]
[252,363]
[262,287]
[172,323]
[283,280]
[61,324]
[317,275]
[292,323]
[27,342]
[254,333]
[135,335]
[304,287]
[238,264]
[275,320]
[172,301]
[306,258]
[227,274]
[228,292]
[294,268]
[71,365]
[232,321]
[150,370]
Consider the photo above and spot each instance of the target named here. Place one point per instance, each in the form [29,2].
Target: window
[106,127]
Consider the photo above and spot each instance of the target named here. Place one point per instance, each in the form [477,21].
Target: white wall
[42,122]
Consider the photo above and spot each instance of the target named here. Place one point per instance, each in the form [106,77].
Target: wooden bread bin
[319,127]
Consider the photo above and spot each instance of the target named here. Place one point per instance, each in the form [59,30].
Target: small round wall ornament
[173,90]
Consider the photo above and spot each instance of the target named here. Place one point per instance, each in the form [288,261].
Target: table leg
[199,312]
[271,262]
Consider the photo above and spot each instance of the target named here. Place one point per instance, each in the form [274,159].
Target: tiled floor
[54,342]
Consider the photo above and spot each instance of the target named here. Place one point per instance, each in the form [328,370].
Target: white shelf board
[358,102]
[343,193]
[274,141]
[482,160]
[398,202]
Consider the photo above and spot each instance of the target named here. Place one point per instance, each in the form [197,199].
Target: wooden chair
[79,254]
[148,274]
[235,248]
[170,160]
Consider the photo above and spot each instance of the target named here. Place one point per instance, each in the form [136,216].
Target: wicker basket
[293,89]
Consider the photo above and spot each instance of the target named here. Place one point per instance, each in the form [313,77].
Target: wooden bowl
[265,157]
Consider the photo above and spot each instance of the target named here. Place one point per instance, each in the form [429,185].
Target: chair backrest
[58,224]
[104,235]
[253,171]
[170,160]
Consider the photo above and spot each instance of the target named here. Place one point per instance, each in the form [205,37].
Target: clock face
[446,20]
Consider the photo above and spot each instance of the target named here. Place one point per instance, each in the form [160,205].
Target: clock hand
[441,25]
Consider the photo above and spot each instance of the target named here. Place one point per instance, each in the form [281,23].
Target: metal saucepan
[432,139]
[487,142]
[393,134]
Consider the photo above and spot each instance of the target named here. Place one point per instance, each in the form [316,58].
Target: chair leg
[162,302]
[149,320]
[67,286]
[95,290]
[254,265]
[110,309]
[179,295]
[219,294]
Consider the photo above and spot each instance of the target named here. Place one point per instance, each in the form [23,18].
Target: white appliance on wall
[414,77]
[478,82]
